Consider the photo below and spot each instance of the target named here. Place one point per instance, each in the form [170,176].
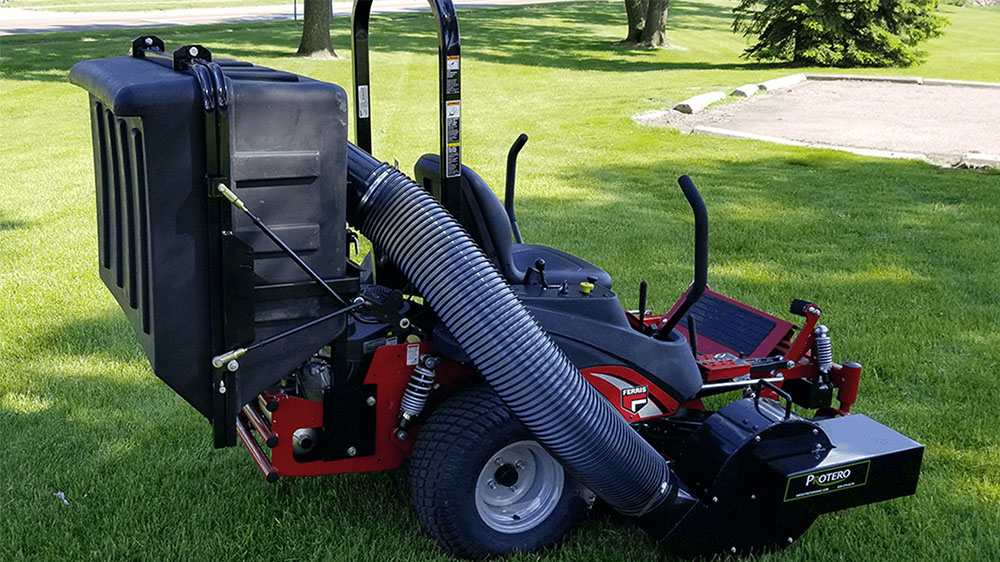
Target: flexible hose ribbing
[518,359]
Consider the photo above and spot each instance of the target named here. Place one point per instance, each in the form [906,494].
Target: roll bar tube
[700,255]
[449,90]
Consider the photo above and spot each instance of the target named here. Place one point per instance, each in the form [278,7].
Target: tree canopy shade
[316,30]
[647,23]
[838,32]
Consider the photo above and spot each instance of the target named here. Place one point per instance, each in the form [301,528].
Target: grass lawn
[902,257]
[127,5]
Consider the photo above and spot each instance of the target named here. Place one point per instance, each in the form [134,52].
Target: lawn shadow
[12,224]
[543,36]
[48,57]
[539,36]
[129,456]
[108,336]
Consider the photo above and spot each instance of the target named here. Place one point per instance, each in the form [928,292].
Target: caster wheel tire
[482,486]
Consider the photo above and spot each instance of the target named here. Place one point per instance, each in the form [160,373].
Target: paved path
[20,20]
[937,123]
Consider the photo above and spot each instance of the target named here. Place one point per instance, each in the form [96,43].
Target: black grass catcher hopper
[507,374]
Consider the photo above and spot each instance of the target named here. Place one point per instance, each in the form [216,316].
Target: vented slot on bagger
[123,231]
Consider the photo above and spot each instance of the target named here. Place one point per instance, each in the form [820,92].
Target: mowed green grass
[128,5]
[902,256]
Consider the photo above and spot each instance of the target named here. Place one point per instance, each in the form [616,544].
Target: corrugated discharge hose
[518,359]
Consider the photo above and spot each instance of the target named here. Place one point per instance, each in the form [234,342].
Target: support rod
[219,360]
[238,203]
[270,438]
[258,456]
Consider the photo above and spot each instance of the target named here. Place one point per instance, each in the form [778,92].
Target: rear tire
[482,486]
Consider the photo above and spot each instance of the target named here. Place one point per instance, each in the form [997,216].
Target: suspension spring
[417,390]
[823,348]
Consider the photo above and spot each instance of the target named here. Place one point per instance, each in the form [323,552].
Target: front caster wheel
[482,486]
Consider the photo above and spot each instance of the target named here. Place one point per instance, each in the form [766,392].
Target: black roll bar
[449,91]
[700,256]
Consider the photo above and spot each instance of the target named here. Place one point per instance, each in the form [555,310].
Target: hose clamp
[374,186]
[667,493]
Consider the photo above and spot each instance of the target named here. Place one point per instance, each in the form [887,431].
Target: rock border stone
[731,134]
[699,102]
[903,80]
[783,82]
[746,90]
[963,83]
[866,78]
[980,160]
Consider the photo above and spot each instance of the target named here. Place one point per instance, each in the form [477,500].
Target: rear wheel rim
[519,487]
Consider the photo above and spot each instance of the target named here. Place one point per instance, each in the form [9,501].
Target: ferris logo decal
[634,398]
[835,479]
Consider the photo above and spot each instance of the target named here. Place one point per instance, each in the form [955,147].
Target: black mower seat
[488,224]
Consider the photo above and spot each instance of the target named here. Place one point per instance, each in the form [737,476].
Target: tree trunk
[636,12]
[316,30]
[654,33]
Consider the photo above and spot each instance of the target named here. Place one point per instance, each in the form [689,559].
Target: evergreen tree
[838,32]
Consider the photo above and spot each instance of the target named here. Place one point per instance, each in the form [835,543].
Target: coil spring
[418,389]
[823,348]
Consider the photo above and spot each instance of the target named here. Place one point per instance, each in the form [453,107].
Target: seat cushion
[559,266]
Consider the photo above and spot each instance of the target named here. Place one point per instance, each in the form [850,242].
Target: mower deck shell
[750,461]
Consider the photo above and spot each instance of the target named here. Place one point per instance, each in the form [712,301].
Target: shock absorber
[823,349]
[415,395]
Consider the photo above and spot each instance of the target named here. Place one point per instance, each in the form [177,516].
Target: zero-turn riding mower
[507,374]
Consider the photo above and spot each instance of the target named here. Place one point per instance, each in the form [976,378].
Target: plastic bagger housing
[159,236]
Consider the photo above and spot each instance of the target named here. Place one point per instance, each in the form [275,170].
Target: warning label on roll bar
[363,101]
[451,76]
[453,138]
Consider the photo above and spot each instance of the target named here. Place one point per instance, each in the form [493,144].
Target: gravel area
[942,122]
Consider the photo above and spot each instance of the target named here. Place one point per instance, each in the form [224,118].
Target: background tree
[840,32]
[647,23]
[316,30]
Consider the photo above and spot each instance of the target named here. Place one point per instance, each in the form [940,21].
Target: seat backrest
[481,213]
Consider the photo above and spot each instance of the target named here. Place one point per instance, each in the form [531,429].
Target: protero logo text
[828,477]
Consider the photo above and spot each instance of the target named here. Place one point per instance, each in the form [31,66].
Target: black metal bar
[232,329]
[152,48]
[761,383]
[143,44]
[449,102]
[344,285]
[642,305]
[700,256]
[693,335]
[225,361]
[288,251]
[306,326]
[508,196]
[449,91]
[224,407]
[186,55]
[360,16]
